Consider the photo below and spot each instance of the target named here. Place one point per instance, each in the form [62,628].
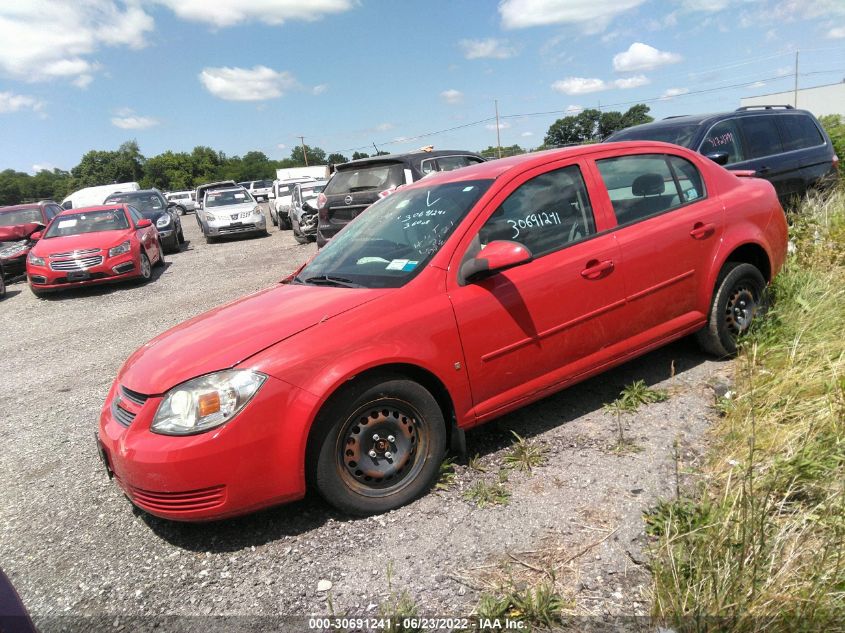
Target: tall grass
[760,544]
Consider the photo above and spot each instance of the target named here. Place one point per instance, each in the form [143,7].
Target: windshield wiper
[330,280]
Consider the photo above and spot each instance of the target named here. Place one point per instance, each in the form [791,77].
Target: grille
[120,414]
[77,264]
[236,229]
[188,501]
[133,396]
[75,253]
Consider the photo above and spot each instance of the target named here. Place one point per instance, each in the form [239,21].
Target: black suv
[787,147]
[156,208]
[357,184]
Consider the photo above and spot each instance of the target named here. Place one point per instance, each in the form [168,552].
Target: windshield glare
[378,177]
[89,222]
[395,237]
[145,202]
[20,216]
[224,198]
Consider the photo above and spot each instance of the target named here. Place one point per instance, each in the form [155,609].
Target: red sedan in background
[451,302]
[93,245]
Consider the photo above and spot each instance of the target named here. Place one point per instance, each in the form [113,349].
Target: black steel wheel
[378,446]
[739,298]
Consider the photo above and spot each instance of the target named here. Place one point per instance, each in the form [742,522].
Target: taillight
[321,201]
[322,207]
[386,192]
[836,162]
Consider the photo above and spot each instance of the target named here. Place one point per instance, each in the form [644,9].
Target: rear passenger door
[803,140]
[669,229]
[764,153]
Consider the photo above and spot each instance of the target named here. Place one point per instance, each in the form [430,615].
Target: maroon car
[17,224]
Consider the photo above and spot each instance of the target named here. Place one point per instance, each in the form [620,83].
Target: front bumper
[14,266]
[254,461]
[252,224]
[115,268]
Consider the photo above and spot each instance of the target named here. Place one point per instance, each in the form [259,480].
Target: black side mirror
[720,158]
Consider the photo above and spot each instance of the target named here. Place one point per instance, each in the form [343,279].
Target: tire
[739,298]
[181,237]
[273,217]
[146,269]
[182,210]
[388,415]
[2,287]
[297,234]
[284,223]
[172,245]
[210,239]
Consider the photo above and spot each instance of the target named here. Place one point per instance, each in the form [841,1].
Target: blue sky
[241,75]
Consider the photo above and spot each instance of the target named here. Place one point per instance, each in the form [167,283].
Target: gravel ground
[82,557]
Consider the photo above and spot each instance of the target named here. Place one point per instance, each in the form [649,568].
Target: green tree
[636,115]
[591,125]
[336,159]
[359,155]
[316,156]
[493,152]
[834,125]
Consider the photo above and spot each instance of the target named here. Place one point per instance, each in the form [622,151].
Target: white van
[93,196]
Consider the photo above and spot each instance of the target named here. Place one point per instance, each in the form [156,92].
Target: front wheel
[740,296]
[2,286]
[378,446]
[146,269]
[297,233]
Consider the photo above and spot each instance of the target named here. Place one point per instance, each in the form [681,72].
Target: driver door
[528,329]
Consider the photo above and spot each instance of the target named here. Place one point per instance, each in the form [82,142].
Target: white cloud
[126,119]
[222,13]
[641,57]
[247,84]
[319,89]
[670,93]
[593,15]
[11,102]
[527,134]
[836,33]
[503,125]
[43,40]
[574,109]
[579,85]
[42,167]
[281,146]
[631,82]
[490,48]
[384,127]
[708,6]
[452,96]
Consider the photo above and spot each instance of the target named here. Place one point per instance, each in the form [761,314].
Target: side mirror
[36,236]
[497,256]
[142,224]
[720,158]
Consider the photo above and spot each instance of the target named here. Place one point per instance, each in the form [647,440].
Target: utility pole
[498,138]
[304,153]
[795,94]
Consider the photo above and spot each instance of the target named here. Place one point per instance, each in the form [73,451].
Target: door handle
[701,231]
[596,269]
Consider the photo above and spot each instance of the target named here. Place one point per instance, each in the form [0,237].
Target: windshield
[144,202]
[263,184]
[394,238]
[224,198]
[312,192]
[677,134]
[20,216]
[88,222]
[379,177]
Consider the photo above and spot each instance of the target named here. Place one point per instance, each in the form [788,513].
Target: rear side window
[798,132]
[377,177]
[644,185]
[761,136]
[723,137]
[545,214]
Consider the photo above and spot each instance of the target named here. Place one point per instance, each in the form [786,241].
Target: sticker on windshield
[240,196]
[64,224]
[465,189]
[397,264]
[409,266]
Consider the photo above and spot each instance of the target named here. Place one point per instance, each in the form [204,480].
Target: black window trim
[677,187]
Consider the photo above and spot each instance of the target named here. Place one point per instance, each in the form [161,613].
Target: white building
[821,100]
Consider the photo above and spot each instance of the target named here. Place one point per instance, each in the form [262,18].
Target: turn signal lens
[208,403]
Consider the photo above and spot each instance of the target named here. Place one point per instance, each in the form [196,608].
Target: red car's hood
[18,231]
[82,242]
[225,336]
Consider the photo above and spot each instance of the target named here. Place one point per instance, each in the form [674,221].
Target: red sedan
[447,304]
[93,245]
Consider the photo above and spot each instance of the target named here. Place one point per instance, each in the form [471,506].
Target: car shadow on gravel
[304,516]
[11,293]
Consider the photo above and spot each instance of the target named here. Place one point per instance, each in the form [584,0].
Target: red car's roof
[99,207]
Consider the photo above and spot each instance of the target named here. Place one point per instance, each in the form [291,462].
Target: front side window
[723,137]
[545,214]
[394,239]
[644,185]
[88,222]
[798,132]
[448,163]
[135,215]
[761,136]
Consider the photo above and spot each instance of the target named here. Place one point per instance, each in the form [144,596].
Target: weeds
[525,455]
[483,494]
[631,398]
[398,606]
[475,464]
[448,477]
[537,606]
[762,544]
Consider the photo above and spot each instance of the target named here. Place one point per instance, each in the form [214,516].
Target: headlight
[13,249]
[118,250]
[163,221]
[206,402]
[257,210]
[35,261]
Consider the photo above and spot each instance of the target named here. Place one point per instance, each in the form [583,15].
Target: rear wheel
[377,446]
[739,298]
